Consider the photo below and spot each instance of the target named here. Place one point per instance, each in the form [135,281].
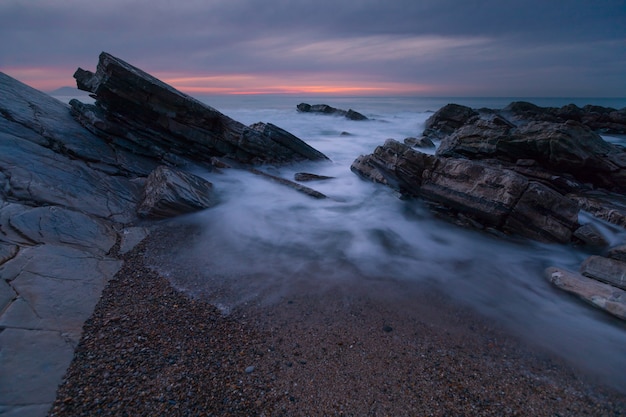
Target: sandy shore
[149,350]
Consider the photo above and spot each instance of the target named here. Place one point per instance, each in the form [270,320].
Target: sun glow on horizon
[242,84]
[50,79]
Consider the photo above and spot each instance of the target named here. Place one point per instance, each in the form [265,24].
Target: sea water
[264,239]
[264,236]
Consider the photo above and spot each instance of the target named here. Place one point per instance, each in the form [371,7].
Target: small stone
[249,369]
[387,329]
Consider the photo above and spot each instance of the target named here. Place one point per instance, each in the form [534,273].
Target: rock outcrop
[597,118]
[326,109]
[494,197]
[75,180]
[148,117]
[519,176]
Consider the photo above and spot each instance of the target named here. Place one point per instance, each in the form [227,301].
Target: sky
[451,48]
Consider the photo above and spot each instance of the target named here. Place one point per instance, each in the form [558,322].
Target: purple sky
[555,48]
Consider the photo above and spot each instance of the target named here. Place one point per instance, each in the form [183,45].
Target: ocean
[263,239]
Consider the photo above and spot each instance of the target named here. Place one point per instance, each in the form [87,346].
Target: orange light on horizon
[243,84]
[52,78]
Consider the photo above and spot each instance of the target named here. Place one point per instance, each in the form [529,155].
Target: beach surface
[353,349]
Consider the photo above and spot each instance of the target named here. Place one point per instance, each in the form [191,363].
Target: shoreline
[149,349]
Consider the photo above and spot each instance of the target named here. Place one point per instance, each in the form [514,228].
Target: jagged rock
[422,142]
[169,193]
[136,110]
[566,148]
[305,177]
[494,197]
[610,271]
[603,119]
[326,109]
[447,119]
[603,296]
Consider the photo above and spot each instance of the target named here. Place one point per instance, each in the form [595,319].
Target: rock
[422,142]
[326,109]
[447,119]
[57,225]
[597,118]
[610,271]
[298,187]
[495,197]
[305,177]
[135,110]
[618,253]
[565,148]
[590,235]
[603,296]
[169,193]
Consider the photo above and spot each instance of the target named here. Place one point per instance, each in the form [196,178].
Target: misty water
[264,237]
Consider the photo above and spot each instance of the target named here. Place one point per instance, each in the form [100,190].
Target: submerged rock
[326,109]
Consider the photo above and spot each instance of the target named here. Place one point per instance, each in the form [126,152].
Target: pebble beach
[151,350]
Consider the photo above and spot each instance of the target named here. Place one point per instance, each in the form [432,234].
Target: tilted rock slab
[603,296]
[170,192]
[135,110]
[495,197]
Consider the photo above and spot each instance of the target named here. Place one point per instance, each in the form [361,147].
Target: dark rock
[298,187]
[495,197]
[326,109]
[564,148]
[618,253]
[422,142]
[590,235]
[447,119]
[169,193]
[610,271]
[597,118]
[152,118]
[305,177]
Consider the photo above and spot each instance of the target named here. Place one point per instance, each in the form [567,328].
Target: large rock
[447,119]
[598,118]
[564,148]
[495,197]
[136,110]
[170,192]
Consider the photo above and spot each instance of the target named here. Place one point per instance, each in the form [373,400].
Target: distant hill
[68,91]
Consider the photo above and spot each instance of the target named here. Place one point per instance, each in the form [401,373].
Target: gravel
[150,350]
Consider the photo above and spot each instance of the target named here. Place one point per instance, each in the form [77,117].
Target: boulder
[326,109]
[136,110]
[170,192]
[447,119]
[494,197]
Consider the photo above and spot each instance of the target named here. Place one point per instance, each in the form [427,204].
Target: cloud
[564,46]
